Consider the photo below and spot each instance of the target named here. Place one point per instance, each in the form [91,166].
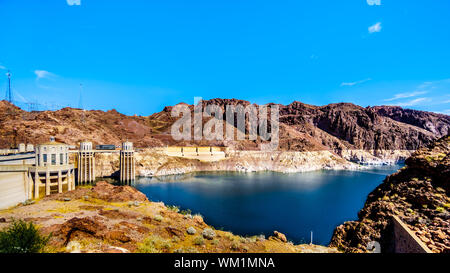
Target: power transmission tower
[8,91]
[80,105]
[80,101]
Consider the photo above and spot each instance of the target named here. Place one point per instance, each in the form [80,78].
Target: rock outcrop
[418,194]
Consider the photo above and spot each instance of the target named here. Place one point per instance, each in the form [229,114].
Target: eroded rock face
[435,123]
[118,235]
[76,229]
[417,194]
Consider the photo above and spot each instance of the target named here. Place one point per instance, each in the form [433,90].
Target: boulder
[191,230]
[279,236]
[175,232]
[118,235]
[76,228]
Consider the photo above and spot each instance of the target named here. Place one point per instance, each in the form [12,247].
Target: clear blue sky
[139,56]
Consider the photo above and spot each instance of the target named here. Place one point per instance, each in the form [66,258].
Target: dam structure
[30,172]
[206,154]
[127,163]
[85,163]
[51,169]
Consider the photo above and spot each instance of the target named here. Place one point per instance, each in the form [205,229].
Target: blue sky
[139,56]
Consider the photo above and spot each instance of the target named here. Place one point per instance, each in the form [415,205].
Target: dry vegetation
[129,223]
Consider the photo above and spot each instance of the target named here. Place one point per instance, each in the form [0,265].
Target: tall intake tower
[127,171]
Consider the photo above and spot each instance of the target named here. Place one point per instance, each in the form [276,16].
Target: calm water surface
[259,203]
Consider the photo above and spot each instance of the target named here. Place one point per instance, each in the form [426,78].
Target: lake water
[259,203]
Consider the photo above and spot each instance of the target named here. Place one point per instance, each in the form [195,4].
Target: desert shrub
[199,240]
[173,208]
[186,212]
[154,244]
[251,239]
[235,245]
[208,234]
[186,250]
[198,215]
[158,218]
[22,237]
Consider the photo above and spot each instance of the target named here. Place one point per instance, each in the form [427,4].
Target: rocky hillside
[419,194]
[120,219]
[303,127]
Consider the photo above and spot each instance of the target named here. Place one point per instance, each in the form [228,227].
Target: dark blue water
[259,203]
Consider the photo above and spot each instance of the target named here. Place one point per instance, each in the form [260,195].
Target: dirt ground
[108,218]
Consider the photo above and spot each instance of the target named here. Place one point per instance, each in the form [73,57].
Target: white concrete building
[52,169]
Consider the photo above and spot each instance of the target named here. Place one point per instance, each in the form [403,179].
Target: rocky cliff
[418,194]
[334,127]
[155,162]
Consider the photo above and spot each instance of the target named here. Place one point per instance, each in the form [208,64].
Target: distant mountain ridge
[303,127]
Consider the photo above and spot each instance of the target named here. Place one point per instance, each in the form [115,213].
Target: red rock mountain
[302,127]
[418,194]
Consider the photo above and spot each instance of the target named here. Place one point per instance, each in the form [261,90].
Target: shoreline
[193,173]
[154,162]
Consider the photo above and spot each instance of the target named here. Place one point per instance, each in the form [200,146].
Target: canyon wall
[155,161]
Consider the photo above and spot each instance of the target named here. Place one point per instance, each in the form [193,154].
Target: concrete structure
[22,175]
[30,148]
[208,154]
[18,159]
[22,148]
[86,163]
[127,162]
[28,175]
[404,240]
[15,181]
[52,169]
[8,151]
